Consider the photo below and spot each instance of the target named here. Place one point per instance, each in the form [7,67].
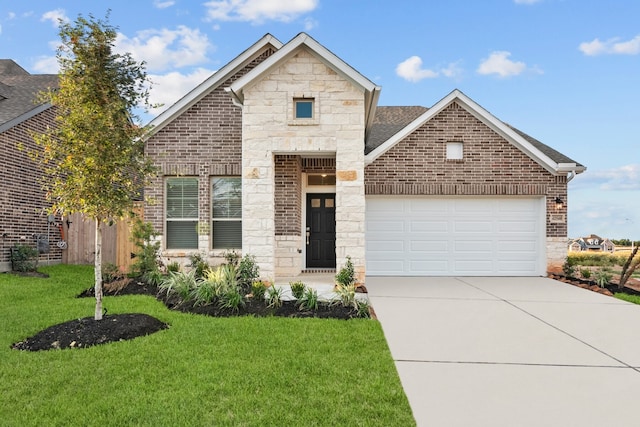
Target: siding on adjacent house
[22,202]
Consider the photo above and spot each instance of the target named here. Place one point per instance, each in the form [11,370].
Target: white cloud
[11,15]
[411,70]
[310,24]
[164,48]
[55,16]
[163,4]
[499,63]
[612,47]
[623,178]
[526,1]
[258,11]
[169,88]
[46,65]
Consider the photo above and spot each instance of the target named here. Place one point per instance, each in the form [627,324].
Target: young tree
[93,160]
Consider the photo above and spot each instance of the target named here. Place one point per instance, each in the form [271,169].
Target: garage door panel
[429,226]
[517,226]
[423,267]
[455,236]
[430,246]
[391,226]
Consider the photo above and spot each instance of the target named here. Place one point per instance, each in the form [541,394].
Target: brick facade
[204,141]
[22,202]
[288,205]
[491,166]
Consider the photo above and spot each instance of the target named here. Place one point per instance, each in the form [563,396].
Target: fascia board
[210,84]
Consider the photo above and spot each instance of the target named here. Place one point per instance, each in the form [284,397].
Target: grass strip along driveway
[241,371]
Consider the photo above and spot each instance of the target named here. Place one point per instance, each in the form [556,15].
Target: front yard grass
[239,371]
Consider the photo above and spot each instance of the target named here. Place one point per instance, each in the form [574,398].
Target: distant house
[591,243]
[22,216]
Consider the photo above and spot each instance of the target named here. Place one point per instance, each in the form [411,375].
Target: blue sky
[567,72]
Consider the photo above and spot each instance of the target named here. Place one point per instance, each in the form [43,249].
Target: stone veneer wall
[269,129]
[490,166]
[22,200]
[205,141]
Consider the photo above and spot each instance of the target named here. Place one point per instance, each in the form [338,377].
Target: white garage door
[423,236]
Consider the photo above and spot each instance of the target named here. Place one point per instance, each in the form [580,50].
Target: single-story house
[23,219]
[591,242]
[284,154]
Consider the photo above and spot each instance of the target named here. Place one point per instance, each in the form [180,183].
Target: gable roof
[18,93]
[371,90]
[545,156]
[213,82]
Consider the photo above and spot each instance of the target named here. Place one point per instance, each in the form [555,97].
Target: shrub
[154,277]
[274,296]
[146,254]
[346,275]
[248,271]
[258,289]
[180,284]
[198,264]
[231,257]
[110,272]
[297,289]
[173,266]
[204,293]
[347,295]
[603,276]
[309,299]
[24,258]
[567,268]
[585,272]
[232,299]
[362,309]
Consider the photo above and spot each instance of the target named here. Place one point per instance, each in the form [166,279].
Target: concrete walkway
[487,351]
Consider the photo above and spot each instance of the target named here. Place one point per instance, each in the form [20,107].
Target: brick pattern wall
[22,201]
[417,165]
[288,206]
[205,141]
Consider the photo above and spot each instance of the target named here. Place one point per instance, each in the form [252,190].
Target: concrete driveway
[505,351]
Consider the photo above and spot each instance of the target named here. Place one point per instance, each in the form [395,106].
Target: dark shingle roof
[390,120]
[18,89]
[554,155]
[387,122]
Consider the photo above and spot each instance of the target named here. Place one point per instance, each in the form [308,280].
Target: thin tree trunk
[98,271]
[625,274]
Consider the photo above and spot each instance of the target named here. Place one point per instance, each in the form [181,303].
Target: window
[454,150]
[226,196]
[182,213]
[323,179]
[303,108]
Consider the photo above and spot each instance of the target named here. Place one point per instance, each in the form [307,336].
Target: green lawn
[205,371]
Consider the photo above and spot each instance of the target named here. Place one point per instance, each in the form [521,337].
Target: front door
[321,231]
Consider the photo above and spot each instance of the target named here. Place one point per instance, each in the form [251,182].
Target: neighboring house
[591,243]
[23,219]
[284,154]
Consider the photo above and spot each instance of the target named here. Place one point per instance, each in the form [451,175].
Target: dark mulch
[87,332]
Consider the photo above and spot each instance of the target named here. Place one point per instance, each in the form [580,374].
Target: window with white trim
[454,150]
[226,212]
[181,213]
[303,108]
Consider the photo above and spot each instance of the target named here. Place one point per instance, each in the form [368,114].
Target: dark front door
[321,231]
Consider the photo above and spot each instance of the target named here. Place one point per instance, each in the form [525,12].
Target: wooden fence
[117,247]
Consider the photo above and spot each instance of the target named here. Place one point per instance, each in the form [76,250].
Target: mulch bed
[87,332]
[632,287]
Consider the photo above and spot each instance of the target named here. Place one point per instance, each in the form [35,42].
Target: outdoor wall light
[559,203]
